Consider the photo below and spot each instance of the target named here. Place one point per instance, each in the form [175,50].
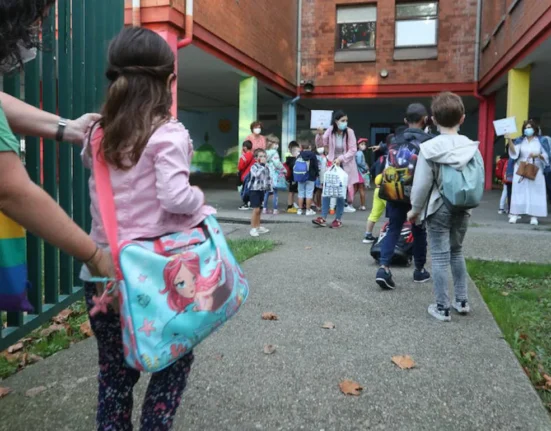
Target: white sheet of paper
[321,119]
[505,126]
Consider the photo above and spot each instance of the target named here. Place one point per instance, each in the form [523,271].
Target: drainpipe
[136,13]
[299,46]
[477,49]
[188,36]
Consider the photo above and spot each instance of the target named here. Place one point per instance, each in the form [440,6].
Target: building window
[356,28]
[416,24]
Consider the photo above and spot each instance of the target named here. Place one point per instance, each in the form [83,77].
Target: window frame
[337,28]
[435,17]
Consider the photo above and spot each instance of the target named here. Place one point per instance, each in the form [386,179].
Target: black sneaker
[369,238]
[421,276]
[384,279]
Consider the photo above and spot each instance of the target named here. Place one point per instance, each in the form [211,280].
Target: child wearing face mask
[256,137]
[362,170]
[294,149]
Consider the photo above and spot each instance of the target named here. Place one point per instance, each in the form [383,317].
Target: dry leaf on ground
[4,392]
[404,362]
[63,316]
[350,387]
[269,349]
[547,379]
[86,330]
[56,327]
[328,325]
[15,348]
[35,391]
[269,316]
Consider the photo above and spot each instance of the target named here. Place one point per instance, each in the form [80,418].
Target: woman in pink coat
[341,147]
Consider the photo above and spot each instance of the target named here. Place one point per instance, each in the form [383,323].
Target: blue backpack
[245,190]
[301,170]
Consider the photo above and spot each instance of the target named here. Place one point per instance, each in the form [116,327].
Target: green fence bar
[51,170]
[65,92]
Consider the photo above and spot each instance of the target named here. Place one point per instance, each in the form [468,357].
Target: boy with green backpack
[448,183]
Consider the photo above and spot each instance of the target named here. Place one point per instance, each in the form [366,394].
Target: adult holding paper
[340,146]
[529,195]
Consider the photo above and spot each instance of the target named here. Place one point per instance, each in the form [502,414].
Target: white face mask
[257,130]
[321,150]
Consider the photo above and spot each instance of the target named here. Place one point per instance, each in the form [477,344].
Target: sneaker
[275,212]
[513,219]
[292,210]
[295,206]
[310,213]
[501,212]
[384,279]
[244,207]
[254,232]
[534,221]
[320,221]
[299,212]
[336,224]
[421,276]
[439,312]
[363,209]
[369,238]
[462,307]
[349,209]
[262,230]
[264,211]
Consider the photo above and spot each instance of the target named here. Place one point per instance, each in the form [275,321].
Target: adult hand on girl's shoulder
[76,129]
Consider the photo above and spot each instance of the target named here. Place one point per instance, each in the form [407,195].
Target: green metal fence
[66,78]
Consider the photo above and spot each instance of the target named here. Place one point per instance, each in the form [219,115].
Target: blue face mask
[529,132]
[343,126]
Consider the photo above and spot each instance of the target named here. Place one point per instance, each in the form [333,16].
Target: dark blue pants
[397,214]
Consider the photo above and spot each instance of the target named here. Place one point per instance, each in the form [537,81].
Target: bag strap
[106,201]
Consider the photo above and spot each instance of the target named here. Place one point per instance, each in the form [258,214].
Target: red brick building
[277,60]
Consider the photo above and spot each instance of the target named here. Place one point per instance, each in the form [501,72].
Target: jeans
[275,202]
[446,234]
[325,207]
[397,214]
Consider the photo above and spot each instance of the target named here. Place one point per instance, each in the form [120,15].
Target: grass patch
[41,344]
[519,297]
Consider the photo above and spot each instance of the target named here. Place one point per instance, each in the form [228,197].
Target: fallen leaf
[308,248]
[350,387]
[269,316]
[269,349]
[328,325]
[86,330]
[4,392]
[505,293]
[26,340]
[404,362]
[52,329]
[547,379]
[63,316]
[35,391]
[31,358]
[523,337]
[15,348]
[219,357]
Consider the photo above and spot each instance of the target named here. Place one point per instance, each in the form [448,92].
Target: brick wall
[515,24]
[265,30]
[456,39]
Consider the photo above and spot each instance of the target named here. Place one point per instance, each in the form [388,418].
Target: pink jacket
[258,141]
[348,159]
[154,197]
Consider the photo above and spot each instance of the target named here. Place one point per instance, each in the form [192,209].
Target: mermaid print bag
[173,291]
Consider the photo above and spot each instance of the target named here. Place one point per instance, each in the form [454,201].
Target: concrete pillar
[248,102]
[288,126]
[518,96]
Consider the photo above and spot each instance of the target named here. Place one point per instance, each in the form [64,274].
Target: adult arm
[27,120]
[514,152]
[172,161]
[31,207]
[322,139]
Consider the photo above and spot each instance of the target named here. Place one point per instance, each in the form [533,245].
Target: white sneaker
[295,205]
[349,209]
[441,314]
[254,232]
[299,212]
[363,209]
[501,212]
[534,221]
[262,230]
[462,307]
[513,219]
[310,212]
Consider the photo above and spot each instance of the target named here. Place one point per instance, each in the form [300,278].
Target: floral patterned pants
[117,380]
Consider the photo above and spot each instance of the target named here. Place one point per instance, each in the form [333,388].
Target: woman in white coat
[529,196]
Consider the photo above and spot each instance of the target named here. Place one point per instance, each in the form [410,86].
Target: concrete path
[467,378]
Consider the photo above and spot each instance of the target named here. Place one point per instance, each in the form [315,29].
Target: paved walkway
[467,378]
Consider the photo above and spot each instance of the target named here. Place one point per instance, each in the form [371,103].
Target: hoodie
[453,150]
[310,156]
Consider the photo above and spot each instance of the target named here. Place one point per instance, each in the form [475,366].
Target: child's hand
[320,131]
